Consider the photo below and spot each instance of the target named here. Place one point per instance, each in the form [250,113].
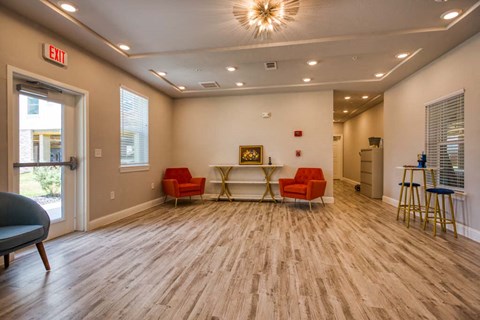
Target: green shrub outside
[50,179]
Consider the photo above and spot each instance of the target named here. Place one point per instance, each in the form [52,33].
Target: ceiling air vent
[209,84]
[271,65]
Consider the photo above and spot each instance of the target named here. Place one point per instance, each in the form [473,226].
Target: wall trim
[350,181]
[212,196]
[116,216]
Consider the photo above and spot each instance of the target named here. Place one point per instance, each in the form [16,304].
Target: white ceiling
[193,41]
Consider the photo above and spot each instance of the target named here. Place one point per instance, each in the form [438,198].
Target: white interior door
[337,156]
[44,134]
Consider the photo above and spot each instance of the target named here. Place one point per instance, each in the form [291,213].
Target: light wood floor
[249,260]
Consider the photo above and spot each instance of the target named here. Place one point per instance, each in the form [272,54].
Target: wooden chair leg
[419,205]
[43,255]
[444,215]
[165,199]
[6,260]
[427,208]
[414,205]
[310,204]
[201,197]
[437,209]
[400,198]
[410,207]
[176,200]
[453,215]
[405,205]
[283,199]
[323,203]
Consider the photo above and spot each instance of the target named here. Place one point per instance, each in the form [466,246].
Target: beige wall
[356,132]
[405,120]
[338,128]
[210,130]
[21,44]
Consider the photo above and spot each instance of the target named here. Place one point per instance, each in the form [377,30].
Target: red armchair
[178,182]
[308,184]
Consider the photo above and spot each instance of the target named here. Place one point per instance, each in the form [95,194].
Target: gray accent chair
[23,222]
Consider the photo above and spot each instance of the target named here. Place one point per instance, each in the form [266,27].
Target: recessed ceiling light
[364,97]
[307,79]
[181,88]
[345,111]
[239,84]
[348,98]
[452,14]
[402,55]
[379,75]
[312,62]
[68,7]
[231,69]
[124,47]
[161,73]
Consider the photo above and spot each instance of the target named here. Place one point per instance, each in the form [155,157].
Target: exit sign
[54,54]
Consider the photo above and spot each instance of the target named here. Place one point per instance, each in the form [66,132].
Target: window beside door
[133,131]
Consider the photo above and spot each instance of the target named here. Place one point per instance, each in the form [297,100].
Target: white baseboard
[350,181]
[211,196]
[466,231]
[390,201]
[113,217]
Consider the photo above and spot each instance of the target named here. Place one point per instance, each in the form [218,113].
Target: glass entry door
[45,142]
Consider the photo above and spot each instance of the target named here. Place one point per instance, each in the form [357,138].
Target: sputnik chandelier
[265,16]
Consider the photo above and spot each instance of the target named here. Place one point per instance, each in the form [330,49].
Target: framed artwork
[251,155]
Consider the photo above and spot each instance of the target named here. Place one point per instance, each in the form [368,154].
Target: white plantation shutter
[133,128]
[445,140]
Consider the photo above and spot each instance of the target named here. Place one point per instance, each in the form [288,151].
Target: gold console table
[224,170]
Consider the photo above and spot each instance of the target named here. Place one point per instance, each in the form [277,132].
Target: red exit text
[54,54]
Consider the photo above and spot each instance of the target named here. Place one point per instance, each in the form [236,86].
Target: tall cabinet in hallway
[371,172]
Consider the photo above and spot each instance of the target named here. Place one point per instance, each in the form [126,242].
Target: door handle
[73,164]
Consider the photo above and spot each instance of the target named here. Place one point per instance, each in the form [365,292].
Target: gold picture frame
[251,155]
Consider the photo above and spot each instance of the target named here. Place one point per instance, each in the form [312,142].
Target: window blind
[133,128]
[445,140]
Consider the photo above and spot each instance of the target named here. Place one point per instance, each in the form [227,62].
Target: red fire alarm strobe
[298,153]
[297,133]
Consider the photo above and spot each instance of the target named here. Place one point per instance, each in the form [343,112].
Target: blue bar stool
[413,204]
[439,215]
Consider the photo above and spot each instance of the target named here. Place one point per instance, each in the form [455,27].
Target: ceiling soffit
[194,41]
